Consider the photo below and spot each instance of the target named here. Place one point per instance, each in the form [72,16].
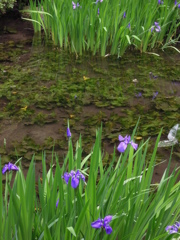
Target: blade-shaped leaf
[71,229]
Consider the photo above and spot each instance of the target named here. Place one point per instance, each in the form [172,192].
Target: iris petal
[68,130]
[14,167]
[108,229]
[107,219]
[122,147]
[127,139]
[134,145]
[74,182]
[5,168]
[97,224]
[121,138]
[66,177]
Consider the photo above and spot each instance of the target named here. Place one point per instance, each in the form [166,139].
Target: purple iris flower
[75,178]
[9,167]
[178,5]
[129,25]
[124,142]
[124,15]
[75,5]
[103,223]
[160,2]
[156,27]
[68,133]
[98,11]
[155,95]
[174,228]
[138,95]
[98,1]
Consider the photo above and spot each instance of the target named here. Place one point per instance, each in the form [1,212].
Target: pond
[41,86]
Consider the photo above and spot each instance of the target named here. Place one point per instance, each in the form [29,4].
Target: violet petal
[97,224]
[74,182]
[122,147]
[108,229]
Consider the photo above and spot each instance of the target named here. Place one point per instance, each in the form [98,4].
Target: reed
[107,26]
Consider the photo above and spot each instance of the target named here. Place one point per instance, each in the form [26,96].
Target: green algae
[50,80]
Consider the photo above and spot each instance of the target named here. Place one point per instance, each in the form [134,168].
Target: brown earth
[13,28]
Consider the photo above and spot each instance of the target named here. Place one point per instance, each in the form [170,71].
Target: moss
[5,5]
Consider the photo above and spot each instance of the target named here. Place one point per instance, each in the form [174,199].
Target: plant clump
[5,5]
[108,27]
[85,199]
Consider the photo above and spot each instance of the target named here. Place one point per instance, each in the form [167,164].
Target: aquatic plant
[174,228]
[9,167]
[68,133]
[103,223]
[107,26]
[122,193]
[156,27]
[5,5]
[75,177]
[124,143]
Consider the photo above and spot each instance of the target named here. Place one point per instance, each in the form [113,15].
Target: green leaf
[134,36]
[47,234]
[105,29]
[72,231]
[128,38]
[49,226]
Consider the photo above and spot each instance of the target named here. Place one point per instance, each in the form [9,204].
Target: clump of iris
[103,223]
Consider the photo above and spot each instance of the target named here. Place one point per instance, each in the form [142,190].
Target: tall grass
[102,26]
[122,189]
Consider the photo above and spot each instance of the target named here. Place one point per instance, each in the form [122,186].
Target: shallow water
[42,86]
